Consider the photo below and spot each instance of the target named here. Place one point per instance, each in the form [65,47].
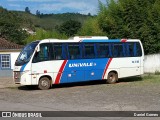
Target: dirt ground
[127,95]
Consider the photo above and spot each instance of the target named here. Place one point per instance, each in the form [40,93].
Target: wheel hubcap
[44,83]
[112,78]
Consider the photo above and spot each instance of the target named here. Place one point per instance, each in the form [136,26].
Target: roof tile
[5,44]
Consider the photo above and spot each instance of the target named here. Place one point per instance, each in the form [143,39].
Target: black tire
[44,83]
[112,78]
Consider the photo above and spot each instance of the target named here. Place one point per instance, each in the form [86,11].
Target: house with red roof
[8,54]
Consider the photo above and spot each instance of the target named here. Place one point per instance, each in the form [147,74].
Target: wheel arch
[114,71]
[48,76]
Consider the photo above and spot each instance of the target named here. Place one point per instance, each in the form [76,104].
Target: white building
[8,55]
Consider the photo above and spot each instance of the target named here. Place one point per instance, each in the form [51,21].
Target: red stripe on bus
[109,61]
[57,81]
[123,40]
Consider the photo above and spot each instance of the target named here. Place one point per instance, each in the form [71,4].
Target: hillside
[49,21]
[44,21]
[13,23]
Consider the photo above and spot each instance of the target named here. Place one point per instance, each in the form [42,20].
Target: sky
[53,6]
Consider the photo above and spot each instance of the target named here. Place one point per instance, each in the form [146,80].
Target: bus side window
[43,54]
[57,50]
[89,51]
[111,50]
[129,48]
[64,51]
[74,51]
[102,50]
[120,50]
[138,50]
[124,49]
[60,51]
[115,50]
[135,49]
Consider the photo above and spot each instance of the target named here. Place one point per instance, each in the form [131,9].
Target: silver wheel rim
[112,78]
[44,83]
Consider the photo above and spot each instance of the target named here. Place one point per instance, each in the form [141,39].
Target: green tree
[27,10]
[38,13]
[132,19]
[12,32]
[91,28]
[10,27]
[43,34]
[70,28]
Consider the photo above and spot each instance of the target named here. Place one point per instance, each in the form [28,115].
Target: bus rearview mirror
[38,48]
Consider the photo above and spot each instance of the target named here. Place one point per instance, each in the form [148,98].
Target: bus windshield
[26,54]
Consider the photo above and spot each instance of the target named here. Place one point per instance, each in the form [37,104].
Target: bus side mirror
[38,48]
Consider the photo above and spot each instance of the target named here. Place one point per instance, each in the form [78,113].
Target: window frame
[86,53]
[79,46]
[2,61]
[34,60]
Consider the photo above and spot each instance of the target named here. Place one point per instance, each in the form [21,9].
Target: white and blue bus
[53,61]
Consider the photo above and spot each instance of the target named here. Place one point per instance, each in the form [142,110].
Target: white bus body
[53,61]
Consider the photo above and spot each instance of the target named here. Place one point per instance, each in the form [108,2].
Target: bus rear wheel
[44,83]
[112,78]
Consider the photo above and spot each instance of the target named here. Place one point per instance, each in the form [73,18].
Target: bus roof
[89,40]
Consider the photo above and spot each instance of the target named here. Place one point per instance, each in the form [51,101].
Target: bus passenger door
[41,63]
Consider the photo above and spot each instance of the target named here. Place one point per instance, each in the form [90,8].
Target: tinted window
[89,50]
[138,49]
[74,51]
[102,50]
[129,49]
[60,51]
[117,50]
[44,54]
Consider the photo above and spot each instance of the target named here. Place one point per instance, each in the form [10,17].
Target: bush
[136,19]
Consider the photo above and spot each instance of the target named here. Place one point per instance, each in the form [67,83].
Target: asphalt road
[90,96]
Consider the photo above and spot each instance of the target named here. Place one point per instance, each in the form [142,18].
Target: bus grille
[17,77]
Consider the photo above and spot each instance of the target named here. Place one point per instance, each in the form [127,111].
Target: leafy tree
[13,33]
[10,27]
[132,19]
[43,34]
[27,10]
[91,28]
[70,28]
[38,13]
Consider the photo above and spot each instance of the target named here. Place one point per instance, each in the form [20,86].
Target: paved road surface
[90,96]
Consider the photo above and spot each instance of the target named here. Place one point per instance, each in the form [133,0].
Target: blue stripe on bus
[97,40]
[22,68]
[83,70]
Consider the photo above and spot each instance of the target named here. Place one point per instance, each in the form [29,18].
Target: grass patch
[151,78]
[157,72]
[145,79]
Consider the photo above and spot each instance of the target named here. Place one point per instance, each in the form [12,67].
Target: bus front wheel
[112,78]
[44,83]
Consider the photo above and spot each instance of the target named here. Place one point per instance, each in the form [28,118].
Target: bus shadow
[64,85]
[130,79]
[28,87]
[87,83]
